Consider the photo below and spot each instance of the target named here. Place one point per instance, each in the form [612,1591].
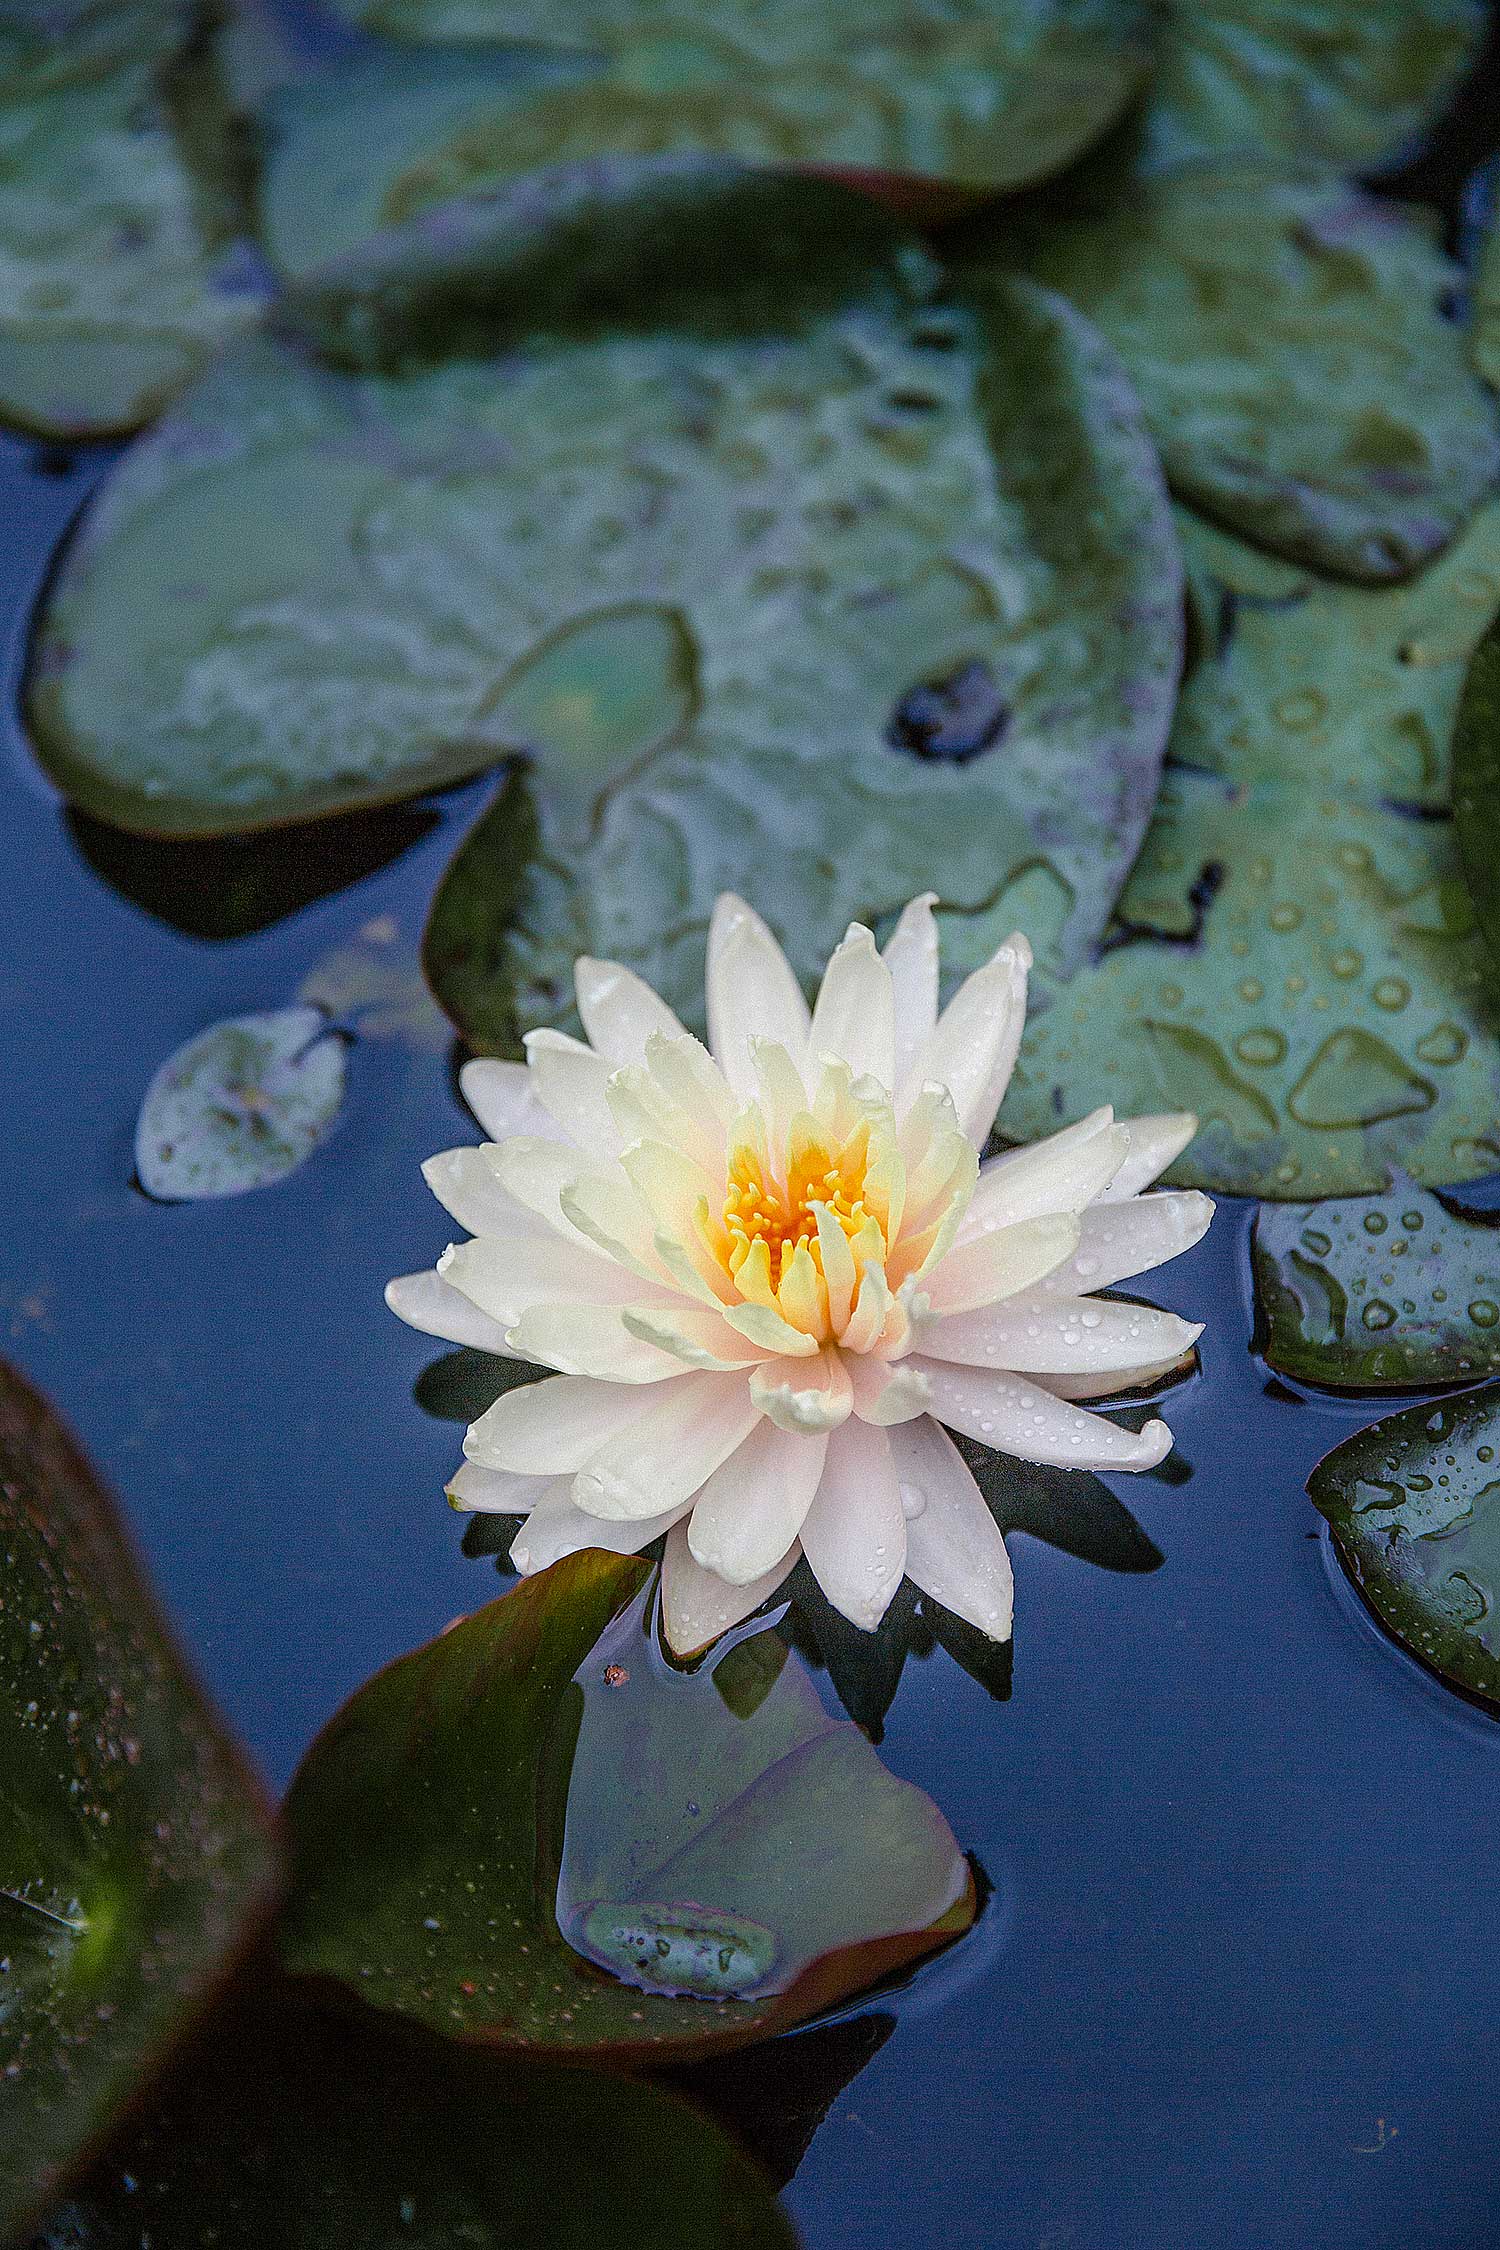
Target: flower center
[758,1208]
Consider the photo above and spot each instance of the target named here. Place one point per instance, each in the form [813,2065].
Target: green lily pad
[1476,786]
[566,1845]
[136,1847]
[1287,338]
[1378,1293]
[291,2127]
[985,93]
[1414,1506]
[1348,83]
[1485,344]
[240,1106]
[1294,956]
[119,275]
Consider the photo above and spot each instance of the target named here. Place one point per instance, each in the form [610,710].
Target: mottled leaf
[241,1105]
[1378,1293]
[1294,956]
[546,1810]
[119,276]
[1288,340]
[134,1848]
[985,93]
[1476,787]
[1414,1506]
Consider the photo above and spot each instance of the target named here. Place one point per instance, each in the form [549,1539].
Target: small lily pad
[119,274]
[1288,339]
[1294,956]
[136,1847]
[1378,1293]
[1414,1506]
[983,93]
[567,1845]
[240,1105]
[1476,786]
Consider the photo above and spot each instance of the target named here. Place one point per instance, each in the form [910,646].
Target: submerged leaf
[136,1849]
[566,1844]
[1288,340]
[240,1106]
[1378,1293]
[1414,1506]
[1294,957]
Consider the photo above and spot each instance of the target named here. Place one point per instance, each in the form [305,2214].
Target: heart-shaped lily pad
[1348,83]
[1476,786]
[984,93]
[1294,956]
[134,1848]
[1378,1293]
[118,273]
[241,1105]
[564,1844]
[290,2127]
[1414,1506]
[1288,340]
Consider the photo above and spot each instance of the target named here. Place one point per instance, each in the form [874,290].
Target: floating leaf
[1294,956]
[136,1851]
[297,2127]
[546,1810]
[118,276]
[239,1106]
[1414,1506]
[1378,1293]
[983,93]
[1476,786]
[1287,338]
[1348,83]
[1485,342]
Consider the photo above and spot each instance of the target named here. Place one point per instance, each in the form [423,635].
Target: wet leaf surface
[1294,956]
[1414,1506]
[1378,1293]
[240,1105]
[294,2128]
[136,1853]
[1288,340]
[570,1846]
[984,95]
[1476,787]
[118,273]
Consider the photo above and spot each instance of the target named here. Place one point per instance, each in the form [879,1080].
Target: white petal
[887,1392]
[606,1211]
[590,1340]
[620,1011]
[672,1451]
[505,1279]
[552,1427]
[855,1534]
[1021,1418]
[493,1492]
[503,1099]
[1111,1385]
[1117,1241]
[1060,1335]
[1001,1264]
[697,1605]
[694,1334]
[972,1050]
[689,1076]
[1155,1142]
[911,955]
[428,1302]
[536,1173]
[752,994]
[750,1510]
[783,1096]
[556,1527]
[854,1016]
[954,1550]
[803,1394]
[571,1084]
[759,1325]
[1065,1172]
[466,1185]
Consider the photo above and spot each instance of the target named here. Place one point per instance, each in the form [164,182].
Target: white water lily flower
[770,1270]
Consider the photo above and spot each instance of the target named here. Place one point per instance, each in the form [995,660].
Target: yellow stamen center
[758,1208]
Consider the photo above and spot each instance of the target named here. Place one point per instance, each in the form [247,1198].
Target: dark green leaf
[136,1848]
[1414,1505]
[1476,788]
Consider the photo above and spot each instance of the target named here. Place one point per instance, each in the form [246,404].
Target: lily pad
[1485,348]
[985,93]
[1288,340]
[1379,1293]
[1476,786]
[1348,83]
[240,1105]
[566,1845]
[119,274]
[137,1852]
[1414,1506]
[295,2127]
[1294,956]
